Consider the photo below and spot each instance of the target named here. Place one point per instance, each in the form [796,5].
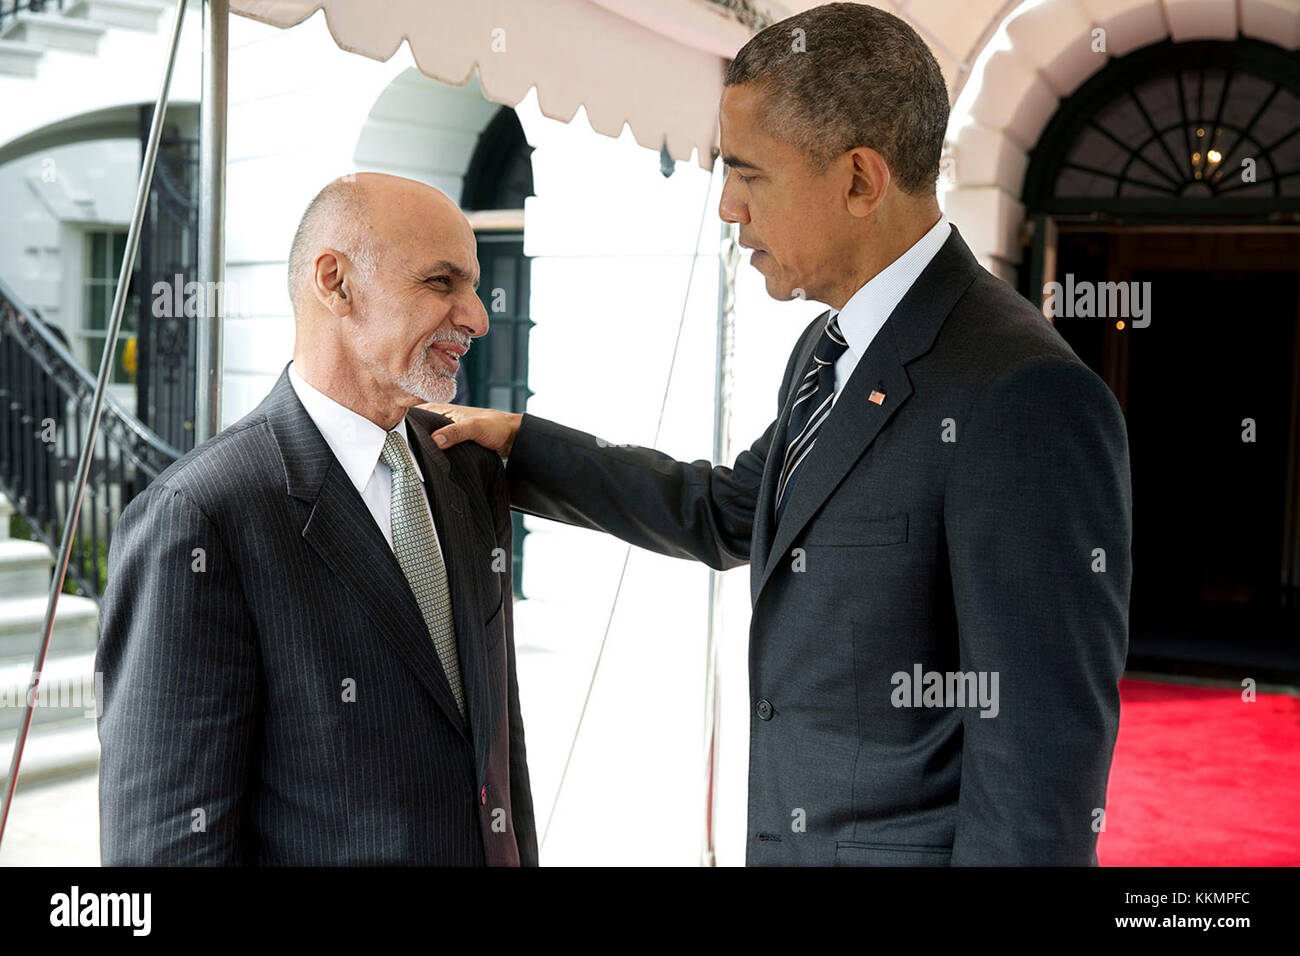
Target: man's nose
[731,209]
[473,318]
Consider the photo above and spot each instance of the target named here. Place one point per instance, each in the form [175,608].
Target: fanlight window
[1207,121]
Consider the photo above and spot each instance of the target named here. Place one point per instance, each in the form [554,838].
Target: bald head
[382,274]
[356,215]
[336,218]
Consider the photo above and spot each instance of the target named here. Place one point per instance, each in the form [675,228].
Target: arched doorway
[1164,197]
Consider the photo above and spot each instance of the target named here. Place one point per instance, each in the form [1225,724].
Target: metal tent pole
[728,259]
[212,219]
[96,407]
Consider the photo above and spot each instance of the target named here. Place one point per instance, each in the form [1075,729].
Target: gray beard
[428,383]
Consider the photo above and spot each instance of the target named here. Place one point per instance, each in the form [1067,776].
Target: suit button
[482,795]
[764,709]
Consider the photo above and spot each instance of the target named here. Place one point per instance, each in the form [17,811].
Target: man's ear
[330,278]
[868,181]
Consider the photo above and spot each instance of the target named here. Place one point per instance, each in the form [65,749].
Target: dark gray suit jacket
[271,693]
[952,526]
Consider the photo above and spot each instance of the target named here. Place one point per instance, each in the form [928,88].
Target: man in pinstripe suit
[307,639]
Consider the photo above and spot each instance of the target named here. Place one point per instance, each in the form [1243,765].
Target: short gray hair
[855,76]
[336,217]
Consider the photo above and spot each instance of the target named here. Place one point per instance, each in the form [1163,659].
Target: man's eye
[445,280]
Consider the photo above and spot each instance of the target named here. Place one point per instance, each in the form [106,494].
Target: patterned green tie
[417,552]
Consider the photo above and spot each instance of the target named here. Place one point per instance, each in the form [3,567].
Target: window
[497,373]
[1206,131]
[104,251]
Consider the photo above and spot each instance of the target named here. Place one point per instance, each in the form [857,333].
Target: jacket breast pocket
[857,531]
[891,854]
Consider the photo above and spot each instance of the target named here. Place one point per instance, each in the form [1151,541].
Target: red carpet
[1201,778]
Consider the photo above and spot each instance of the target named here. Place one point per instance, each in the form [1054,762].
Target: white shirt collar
[355,440]
[869,307]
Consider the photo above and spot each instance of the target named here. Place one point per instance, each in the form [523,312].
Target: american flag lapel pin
[876,397]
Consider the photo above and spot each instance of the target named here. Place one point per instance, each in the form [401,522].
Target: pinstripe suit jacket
[271,693]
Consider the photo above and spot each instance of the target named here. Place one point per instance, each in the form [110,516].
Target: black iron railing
[169,253]
[45,398]
[9,9]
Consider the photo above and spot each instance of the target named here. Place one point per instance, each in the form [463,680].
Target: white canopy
[654,64]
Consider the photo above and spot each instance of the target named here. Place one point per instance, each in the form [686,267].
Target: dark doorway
[1209,391]
[1178,165]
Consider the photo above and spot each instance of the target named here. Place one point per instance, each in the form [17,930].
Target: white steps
[63,738]
[76,625]
[128,14]
[65,696]
[55,32]
[78,28]
[18,58]
[24,567]
[57,752]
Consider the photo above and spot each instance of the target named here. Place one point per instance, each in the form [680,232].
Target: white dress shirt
[356,442]
[869,307]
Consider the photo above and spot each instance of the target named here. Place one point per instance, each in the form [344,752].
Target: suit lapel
[855,420]
[849,429]
[340,529]
[765,513]
[467,554]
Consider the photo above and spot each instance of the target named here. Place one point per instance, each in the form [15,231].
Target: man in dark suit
[307,639]
[938,521]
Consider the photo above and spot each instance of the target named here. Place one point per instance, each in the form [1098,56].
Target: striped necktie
[416,549]
[812,403]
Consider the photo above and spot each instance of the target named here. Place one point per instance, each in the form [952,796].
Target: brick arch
[1044,53]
